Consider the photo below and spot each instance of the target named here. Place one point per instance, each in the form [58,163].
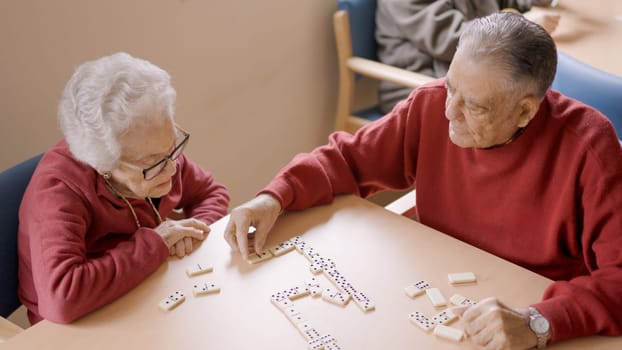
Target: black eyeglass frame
[175,153]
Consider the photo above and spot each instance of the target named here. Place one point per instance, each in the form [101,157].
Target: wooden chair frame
[350,65]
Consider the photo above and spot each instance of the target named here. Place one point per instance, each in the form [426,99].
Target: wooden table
[378,251]
[591,31]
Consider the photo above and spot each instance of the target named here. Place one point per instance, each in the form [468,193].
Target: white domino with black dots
[205,288]
[421,320]
[198,269]
[444,317]
[281,248]
[335,297]
[416,288]
[254,258]
[460,300]
[172,301]
[308,331]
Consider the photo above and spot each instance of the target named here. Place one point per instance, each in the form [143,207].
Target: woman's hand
[181,235]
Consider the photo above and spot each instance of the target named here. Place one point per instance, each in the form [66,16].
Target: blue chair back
[591,86]
[362,15]
[13,182]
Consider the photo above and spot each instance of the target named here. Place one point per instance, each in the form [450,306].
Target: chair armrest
[404,204]
[381,71]
[8,329]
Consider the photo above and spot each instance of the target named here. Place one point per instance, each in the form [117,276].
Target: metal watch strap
[542,338]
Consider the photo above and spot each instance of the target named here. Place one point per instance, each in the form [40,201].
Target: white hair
[105,98]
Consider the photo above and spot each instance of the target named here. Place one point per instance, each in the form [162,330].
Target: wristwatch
[540,326]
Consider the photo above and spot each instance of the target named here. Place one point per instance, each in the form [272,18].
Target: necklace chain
[514,137]
[118,194]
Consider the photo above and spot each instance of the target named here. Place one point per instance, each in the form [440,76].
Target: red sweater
[550,201]
[79,248]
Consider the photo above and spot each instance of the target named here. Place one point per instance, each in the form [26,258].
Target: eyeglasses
[157,169]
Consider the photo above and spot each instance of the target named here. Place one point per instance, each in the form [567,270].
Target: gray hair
[104,98]
[516,43]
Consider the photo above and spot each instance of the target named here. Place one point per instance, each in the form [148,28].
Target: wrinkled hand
[260,212]
[183,247]
[546,20]
[492,325]
[180,235]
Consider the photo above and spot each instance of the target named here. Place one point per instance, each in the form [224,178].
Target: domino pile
[198,289]
[439,321]
[344,291]
[340,294]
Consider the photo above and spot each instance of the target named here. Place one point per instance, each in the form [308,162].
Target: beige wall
[256,80]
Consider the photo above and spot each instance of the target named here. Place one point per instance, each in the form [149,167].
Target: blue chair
[354,25]
[13,182]
[591,86]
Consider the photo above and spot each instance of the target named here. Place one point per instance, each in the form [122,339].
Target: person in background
[93,219]
[421,35]
[501,162]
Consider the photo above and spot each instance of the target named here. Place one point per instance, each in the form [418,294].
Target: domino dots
[254,258]
[440,321]
[460,300]
[416,289]
[335,297]
[205,288]
[281,248]
[421,320]
[444,317]
[171,301]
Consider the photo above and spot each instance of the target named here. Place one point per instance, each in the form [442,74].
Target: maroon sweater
[550,201]
[79,248]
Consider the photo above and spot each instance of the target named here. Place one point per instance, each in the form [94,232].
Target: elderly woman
[93,220]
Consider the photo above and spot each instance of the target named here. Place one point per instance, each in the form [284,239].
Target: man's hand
[179,234]
[260,212]
[492,325]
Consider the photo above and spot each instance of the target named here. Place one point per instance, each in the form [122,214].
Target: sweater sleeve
[592,303]
[374,159]
[69,282]
[202,198]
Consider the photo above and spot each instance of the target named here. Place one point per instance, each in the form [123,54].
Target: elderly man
[501,162]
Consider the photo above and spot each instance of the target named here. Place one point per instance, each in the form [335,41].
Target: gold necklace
[118,194]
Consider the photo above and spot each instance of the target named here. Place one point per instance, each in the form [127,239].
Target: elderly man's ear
[528,107]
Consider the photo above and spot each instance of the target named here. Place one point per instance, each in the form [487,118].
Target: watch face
[540,325]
